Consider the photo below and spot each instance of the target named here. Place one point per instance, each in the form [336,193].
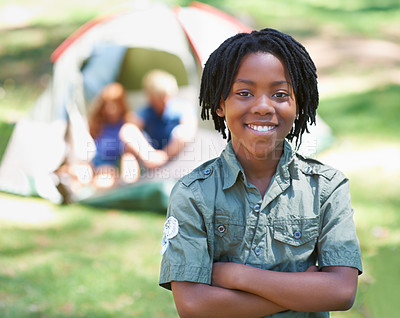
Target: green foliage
[373,113]
[26,66]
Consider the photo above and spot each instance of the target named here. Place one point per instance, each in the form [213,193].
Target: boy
[167,122]
[245,231]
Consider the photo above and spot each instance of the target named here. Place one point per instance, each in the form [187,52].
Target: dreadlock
[222,66]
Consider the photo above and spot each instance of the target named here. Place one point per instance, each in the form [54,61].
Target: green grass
[378,226]
[314,17]
[371,114]
[84,263]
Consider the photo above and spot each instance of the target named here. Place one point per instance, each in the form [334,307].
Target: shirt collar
[231,167]
[286,169]
[287,166]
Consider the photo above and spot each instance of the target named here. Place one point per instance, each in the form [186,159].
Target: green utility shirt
[215,215]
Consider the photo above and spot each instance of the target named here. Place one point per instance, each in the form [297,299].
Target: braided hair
[222,66]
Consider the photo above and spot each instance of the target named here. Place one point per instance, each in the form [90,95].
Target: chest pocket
[296,232]
[228,235]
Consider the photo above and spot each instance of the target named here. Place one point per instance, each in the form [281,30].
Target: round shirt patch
[171,227]
[165,244]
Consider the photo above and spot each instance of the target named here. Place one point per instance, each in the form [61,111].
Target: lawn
[78,261]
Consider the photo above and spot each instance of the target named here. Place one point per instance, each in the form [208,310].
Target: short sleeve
[338,244]
[144,113]
[186,255]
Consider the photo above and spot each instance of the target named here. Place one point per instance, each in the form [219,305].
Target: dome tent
[120,46]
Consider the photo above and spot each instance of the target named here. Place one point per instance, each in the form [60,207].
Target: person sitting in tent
[153,136]
[163,126]
[111,163]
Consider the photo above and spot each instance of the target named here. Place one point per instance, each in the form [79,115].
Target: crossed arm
[243,291]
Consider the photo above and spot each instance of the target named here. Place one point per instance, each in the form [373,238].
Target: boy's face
[260,108]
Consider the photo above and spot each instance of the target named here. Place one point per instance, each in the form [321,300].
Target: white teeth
[261,128]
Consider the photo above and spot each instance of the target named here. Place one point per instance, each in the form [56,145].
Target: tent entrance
[138,61]
[128,65]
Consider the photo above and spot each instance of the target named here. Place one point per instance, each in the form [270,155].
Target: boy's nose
[263,106]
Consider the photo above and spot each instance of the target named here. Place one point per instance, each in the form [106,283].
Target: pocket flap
[221,225]
[296,232]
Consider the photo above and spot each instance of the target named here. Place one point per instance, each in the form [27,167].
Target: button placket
[252,231]
[257,208]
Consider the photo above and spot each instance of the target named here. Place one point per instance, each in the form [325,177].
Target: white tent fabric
[199,24]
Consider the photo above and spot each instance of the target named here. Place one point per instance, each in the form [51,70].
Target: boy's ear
[220,112]
[221,109]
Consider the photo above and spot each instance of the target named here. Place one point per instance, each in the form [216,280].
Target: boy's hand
[225,274]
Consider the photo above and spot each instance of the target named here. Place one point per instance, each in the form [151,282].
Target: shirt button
[297,235]
[256,208]
[308,169]
[257,250]
[207,171]
[221,228]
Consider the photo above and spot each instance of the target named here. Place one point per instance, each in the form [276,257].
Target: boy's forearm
[333,288]
[201,300]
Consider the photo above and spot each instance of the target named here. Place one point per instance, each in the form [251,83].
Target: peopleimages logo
[199,151]
[196,151]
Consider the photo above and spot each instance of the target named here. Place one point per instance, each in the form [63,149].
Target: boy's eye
[281,95]
[244,94]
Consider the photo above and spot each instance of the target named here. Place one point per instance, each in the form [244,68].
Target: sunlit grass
[371,114]
[375,193]
[376,201]
[83,263]
[313,17]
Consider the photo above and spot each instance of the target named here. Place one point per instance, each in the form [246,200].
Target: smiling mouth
[260,128]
